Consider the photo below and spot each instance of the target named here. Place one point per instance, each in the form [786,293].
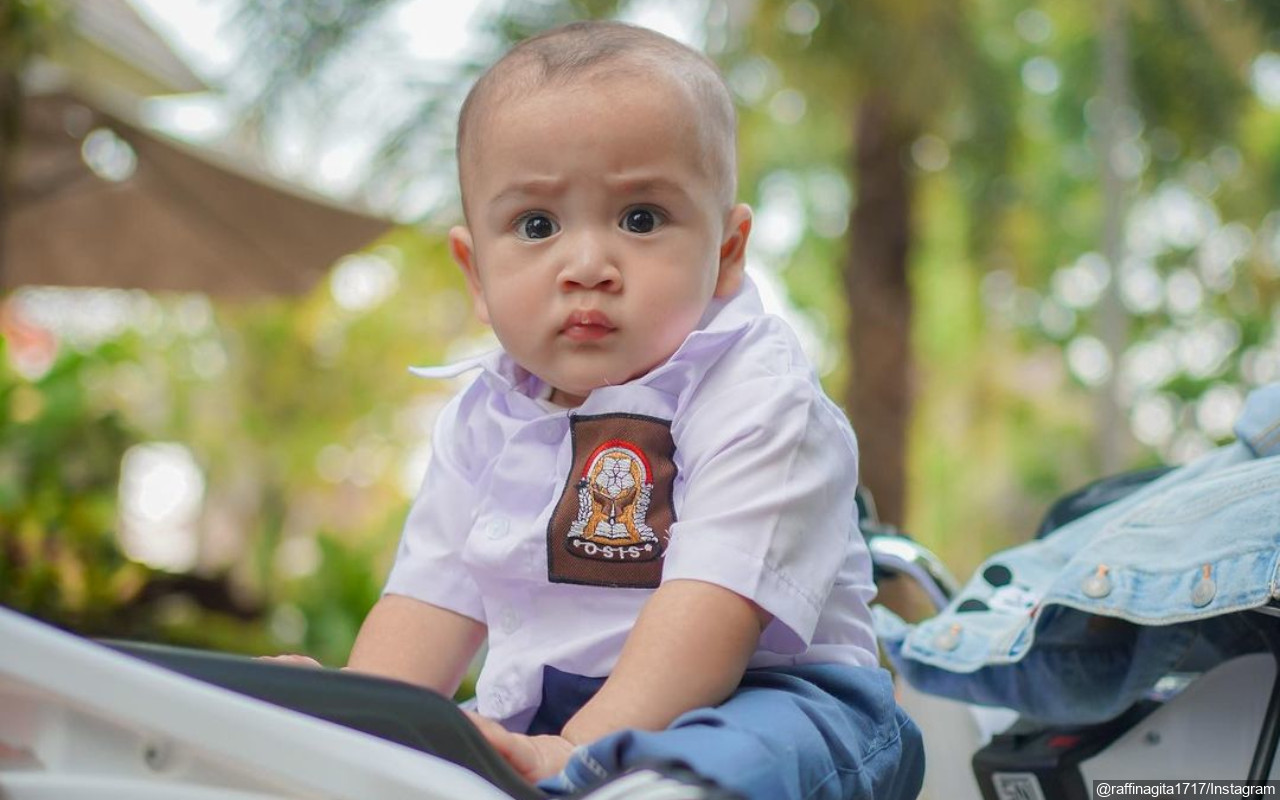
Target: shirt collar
[497,369]
[722,323]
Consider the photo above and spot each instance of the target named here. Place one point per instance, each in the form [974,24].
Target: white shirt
[552,527]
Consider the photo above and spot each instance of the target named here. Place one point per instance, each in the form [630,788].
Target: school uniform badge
[611,524]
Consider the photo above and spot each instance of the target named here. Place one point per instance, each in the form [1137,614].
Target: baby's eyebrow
[645,184]
[537,187]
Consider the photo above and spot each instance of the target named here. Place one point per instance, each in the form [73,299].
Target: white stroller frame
[79,720]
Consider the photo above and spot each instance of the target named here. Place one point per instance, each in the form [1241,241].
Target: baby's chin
[577,391]
[585,382]
[619,378]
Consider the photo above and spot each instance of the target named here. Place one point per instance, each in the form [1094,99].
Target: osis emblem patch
[611,524]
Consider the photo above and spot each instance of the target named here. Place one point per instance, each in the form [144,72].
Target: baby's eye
[536,225]
[641,219]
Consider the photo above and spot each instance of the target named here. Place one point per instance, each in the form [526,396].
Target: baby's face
[597,234]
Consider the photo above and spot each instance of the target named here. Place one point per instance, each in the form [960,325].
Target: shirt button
[1097,585]
[509,620]
[497,528]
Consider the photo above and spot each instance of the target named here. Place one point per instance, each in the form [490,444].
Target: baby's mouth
[587,326]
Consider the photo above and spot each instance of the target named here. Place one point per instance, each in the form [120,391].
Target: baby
[644,502]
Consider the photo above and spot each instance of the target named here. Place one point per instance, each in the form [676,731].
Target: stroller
[1023,710]
[1208,720]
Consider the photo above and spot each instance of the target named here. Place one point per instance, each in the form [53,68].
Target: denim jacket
[1076,626]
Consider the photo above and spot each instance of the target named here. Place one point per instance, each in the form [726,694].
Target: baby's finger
[516,750]
[520,753]
[494,733]
[490,729]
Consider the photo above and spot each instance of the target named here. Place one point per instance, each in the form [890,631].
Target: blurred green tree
[26,30]
[1192,148]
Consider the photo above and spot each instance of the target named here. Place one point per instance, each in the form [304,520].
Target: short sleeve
[428,564]
[769,470]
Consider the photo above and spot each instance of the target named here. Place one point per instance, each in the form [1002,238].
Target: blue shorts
[811,732]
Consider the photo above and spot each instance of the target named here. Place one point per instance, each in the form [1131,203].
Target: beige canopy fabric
[134,57]
[157,214]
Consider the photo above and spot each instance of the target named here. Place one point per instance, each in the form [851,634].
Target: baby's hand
[534,757]
[293,659]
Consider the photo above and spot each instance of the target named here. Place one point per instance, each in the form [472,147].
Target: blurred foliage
[59,468]
[300,414]
[27,27]
[309,432]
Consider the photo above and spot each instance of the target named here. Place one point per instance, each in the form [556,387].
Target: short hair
[593,48]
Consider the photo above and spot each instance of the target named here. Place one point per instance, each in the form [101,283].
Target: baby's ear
[733,250]
[463,252]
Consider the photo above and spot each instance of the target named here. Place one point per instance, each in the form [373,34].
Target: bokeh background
[1027,243]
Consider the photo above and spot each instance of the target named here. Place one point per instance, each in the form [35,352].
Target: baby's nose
[590,264]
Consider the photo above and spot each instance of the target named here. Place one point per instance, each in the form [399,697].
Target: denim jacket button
[949,639]
[1096,586]
[1203,592]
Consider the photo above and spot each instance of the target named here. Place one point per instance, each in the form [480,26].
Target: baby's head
[597,170]
[601,57]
